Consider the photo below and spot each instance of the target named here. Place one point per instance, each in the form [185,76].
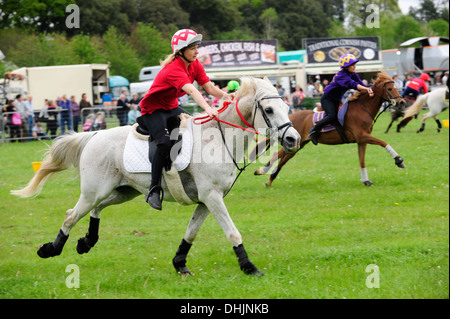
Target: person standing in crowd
[30,114]
[310,89]
[66,114]
[123,107]
[297,98]
[84,103]
[75,112]
[398,84]
[14,130]
[52,119]
[135,100]
[22,109]
[133,114]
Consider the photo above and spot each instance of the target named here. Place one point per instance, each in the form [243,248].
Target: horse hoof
[268,184]
[184,271]
[82,246]
[368,183]
[258,172]
[399,162]
[257,273]
[48,250]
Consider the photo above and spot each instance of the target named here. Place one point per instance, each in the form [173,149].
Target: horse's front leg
[197,219]
[215,204]
[368,139]
[362,164]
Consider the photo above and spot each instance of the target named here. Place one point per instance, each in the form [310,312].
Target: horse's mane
[382,77]
[248,87]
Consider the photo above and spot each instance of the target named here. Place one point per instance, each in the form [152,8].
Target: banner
[326,50]
[237,53]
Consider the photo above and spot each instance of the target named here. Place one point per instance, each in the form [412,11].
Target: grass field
[313,233]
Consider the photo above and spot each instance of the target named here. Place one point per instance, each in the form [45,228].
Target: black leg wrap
[55,248]
[86,243]
[244,262]
[179,261]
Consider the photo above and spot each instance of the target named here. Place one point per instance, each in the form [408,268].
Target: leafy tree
[40,15]
[163,14]
[41,50]
[251,21]
[149,44]
[426,11]
[439,27]
[123,57]
[297,20]
[269,16]
[357,14]
[96,16]
[392,30]
[86,50]
[212,16]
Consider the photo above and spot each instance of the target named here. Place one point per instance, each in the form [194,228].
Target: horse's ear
[265,78]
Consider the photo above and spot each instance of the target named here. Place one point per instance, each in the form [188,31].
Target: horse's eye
[269,110]
[389,89]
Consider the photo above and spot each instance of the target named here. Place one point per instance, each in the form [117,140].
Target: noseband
[266,118]
[392,100]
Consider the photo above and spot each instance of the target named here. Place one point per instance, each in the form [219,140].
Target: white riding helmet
[185,38]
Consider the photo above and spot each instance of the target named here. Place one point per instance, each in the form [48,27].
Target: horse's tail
[65,152]
[416,106]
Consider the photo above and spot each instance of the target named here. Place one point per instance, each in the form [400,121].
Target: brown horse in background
[358,126]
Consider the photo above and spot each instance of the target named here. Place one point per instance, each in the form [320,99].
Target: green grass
[313,233]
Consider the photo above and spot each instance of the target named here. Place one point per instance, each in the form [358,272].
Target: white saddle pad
[135,157]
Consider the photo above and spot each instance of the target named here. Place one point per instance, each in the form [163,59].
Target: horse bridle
[391,101]
[269,127]
[266,118]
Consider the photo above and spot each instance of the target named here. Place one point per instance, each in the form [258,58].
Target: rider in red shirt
[416,85]
[160,108]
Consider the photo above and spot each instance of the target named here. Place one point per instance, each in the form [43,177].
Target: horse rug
[318,115]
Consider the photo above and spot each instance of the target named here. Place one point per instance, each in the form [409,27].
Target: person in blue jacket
[344,80]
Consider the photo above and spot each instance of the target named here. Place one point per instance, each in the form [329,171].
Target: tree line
[131,34]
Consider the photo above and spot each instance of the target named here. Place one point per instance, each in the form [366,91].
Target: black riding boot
[314,134]
[156,194]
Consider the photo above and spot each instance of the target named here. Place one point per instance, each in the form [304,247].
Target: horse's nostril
[290,140]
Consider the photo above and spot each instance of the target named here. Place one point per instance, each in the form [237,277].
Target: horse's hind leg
[55,248]
[284,159]
[118,196]
[269,164]
[439,124]
[197,219]
[362,153]
[424,118]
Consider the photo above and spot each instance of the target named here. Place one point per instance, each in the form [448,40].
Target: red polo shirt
[166,88]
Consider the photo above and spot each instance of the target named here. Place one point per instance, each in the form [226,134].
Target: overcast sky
[405,4]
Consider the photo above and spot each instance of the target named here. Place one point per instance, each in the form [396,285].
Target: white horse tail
[65,152]
[417,106]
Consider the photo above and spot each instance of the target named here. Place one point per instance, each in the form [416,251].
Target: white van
[149,73]
[140,88]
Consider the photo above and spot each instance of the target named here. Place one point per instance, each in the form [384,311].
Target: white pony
[435,100]
[98,156]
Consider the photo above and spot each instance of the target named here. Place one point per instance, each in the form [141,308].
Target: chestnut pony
[358,126]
